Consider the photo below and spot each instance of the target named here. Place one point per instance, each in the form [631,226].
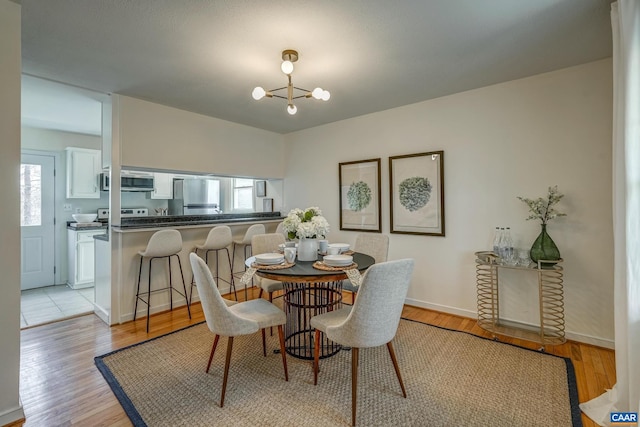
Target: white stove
[124,213]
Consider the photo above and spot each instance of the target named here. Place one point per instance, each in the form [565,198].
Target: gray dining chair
[230,319]
[375,245]
[372,320]
[267,243]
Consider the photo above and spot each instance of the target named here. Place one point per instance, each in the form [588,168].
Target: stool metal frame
[217,275]
[140,296]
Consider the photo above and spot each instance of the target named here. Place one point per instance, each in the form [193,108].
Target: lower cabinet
[81,257]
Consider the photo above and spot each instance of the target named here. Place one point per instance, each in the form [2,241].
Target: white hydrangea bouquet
[307,224]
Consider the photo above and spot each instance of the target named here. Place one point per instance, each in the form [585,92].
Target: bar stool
[218,239]
[162,244]
[245,243]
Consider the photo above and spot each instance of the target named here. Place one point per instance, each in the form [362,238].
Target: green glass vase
[544,248]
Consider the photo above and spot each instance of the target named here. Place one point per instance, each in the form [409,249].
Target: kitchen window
[242,194]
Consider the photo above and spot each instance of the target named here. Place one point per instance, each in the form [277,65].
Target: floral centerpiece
[306,225]
[544,248]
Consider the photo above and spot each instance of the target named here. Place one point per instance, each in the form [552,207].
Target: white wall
[511,139]
[10,408]
[158,137]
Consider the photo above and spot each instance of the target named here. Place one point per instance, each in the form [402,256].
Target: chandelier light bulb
[317,93]
[258,93]
[325,95]
[287,67]
[292,109]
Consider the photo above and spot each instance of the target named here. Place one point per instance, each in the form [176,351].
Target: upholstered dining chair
[372,320]
[266,243]
[375,245]
[230,319]
[280,229]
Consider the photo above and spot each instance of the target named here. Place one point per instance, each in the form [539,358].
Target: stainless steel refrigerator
[195,197]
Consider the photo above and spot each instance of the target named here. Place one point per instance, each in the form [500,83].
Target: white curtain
[625,396]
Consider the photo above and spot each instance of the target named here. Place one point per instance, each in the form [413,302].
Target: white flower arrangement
[308,223]
[543,209]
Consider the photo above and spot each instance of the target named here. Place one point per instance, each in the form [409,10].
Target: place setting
[268,261]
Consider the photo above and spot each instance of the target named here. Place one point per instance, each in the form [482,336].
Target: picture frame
[416,200]
[261,188]
[360,208]
[267,205]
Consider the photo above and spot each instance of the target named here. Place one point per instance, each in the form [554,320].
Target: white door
[36,221]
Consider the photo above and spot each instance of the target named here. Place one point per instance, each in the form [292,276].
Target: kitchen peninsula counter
[192,221]
[121,255]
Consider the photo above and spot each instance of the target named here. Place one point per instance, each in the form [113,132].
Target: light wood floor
[60,385]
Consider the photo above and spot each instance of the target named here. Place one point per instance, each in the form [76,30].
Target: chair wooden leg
[260,294]
[396,367]
[283,352]
[316,356]
[264,343]
[226,370]
[271,301]
[213,350]
[354,384]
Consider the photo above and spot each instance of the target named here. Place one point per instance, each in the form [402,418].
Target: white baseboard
[573,336]
[12,416]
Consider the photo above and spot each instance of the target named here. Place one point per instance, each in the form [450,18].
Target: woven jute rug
[452,379]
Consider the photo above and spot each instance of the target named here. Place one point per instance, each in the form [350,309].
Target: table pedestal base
[302,301]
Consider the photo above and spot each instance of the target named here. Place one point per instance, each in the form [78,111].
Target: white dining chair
[230,319]
[372,320]
[265,243]
[372,244]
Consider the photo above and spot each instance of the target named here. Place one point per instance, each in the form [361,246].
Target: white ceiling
[207,56]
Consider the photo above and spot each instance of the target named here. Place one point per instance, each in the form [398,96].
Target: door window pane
[30,195]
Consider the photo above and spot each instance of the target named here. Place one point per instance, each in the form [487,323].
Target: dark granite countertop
[102,226]
[191,220]
[104,237]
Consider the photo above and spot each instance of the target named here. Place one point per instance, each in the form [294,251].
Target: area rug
[452,379]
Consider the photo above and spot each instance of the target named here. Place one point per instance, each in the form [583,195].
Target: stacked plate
[269,259]
[342,246]
[338,260]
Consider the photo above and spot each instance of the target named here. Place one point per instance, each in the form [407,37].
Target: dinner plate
[338,260]
[269,259]
[342,246]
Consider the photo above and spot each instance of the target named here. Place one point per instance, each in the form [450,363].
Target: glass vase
[307,250]
[544,248]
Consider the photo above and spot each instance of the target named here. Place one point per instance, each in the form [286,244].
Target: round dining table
[308,292]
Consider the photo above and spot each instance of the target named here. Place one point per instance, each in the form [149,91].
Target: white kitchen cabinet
[162,186]
[81,246]
[83,170]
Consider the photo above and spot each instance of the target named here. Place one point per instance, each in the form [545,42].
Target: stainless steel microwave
[128,182]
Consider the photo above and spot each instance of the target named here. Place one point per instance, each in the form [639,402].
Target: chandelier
[290,56]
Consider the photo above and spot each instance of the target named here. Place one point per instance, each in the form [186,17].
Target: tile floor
[43,305]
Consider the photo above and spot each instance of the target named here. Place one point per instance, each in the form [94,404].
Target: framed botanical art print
[360,195]
[416,183]
[261,188]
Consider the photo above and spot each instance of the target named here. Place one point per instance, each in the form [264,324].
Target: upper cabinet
[83,170]
[162,186]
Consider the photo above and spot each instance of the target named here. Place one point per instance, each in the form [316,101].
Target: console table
[551,300]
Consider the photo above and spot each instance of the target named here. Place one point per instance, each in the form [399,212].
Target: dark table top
[303,271]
